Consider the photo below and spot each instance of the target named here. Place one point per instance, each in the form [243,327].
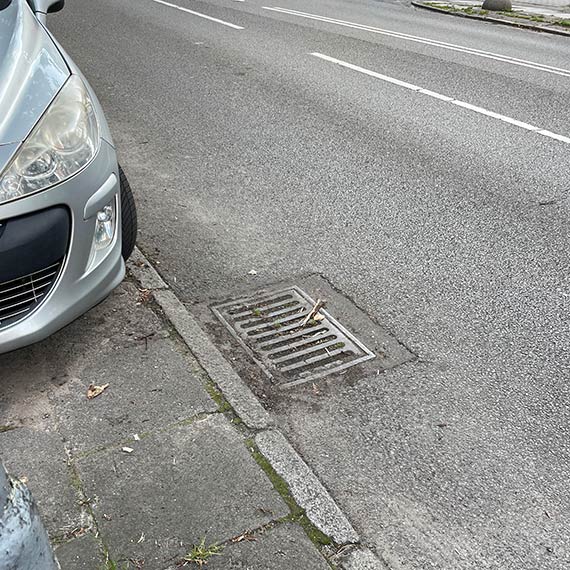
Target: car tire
[128,216]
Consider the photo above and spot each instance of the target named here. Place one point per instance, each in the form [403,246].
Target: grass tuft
[200,553]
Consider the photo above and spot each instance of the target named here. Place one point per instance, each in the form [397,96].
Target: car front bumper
[83,280]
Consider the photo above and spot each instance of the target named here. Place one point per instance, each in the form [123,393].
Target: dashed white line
[428,41]
[199,14]
[445,98]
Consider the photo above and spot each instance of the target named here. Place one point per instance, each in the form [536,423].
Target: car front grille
[22,295]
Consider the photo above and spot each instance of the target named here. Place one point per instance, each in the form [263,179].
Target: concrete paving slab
[175,488]
[151,383]
[150,386]
[40,457]
[284,547]
[83,553]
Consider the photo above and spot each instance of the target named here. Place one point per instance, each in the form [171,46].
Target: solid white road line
[445,98]
[427,41]
[200,15]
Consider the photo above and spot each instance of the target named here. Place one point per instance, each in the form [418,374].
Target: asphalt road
[448,225]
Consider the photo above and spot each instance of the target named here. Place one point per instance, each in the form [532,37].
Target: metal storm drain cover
[290,336]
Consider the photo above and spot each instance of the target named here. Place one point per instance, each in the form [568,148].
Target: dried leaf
[94,391]
[145,295]
[247,536]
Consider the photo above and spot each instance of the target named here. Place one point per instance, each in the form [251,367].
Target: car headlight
[65,139]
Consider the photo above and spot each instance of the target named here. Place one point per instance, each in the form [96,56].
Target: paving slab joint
[297,515]
[85,504]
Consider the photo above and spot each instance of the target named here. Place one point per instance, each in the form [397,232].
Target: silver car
[67,214]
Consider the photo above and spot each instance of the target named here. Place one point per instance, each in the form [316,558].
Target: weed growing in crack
[200,553]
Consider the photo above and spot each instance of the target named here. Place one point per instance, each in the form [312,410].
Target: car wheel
[128,216]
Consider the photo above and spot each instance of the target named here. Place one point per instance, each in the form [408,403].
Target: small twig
[145,338]
[316,308]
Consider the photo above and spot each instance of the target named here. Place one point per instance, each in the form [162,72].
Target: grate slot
[290,350]
[258,322]
[278,326]
[317,359]
[323,364]
[250,304]
[270,345]
[262,311]
[300,354]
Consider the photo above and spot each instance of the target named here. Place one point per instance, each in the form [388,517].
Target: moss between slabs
[297,513]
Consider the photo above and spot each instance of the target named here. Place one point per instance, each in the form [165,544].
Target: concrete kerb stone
[362,558]
[306,489]
[144,272]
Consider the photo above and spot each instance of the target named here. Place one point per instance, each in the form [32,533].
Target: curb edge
[521,25]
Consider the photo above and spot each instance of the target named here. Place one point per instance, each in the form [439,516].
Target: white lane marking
[445,98]
[200,15]
[554,136]
[427,41]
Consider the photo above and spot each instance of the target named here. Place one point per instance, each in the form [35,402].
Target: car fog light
[105,225]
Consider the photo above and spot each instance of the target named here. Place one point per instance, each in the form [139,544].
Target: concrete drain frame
[272,327]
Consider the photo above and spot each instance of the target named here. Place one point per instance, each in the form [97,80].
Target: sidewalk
[155,465]
[552,16]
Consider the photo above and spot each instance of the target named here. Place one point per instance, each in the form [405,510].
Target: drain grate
[273,328]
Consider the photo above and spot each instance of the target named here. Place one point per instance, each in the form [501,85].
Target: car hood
[32,71]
